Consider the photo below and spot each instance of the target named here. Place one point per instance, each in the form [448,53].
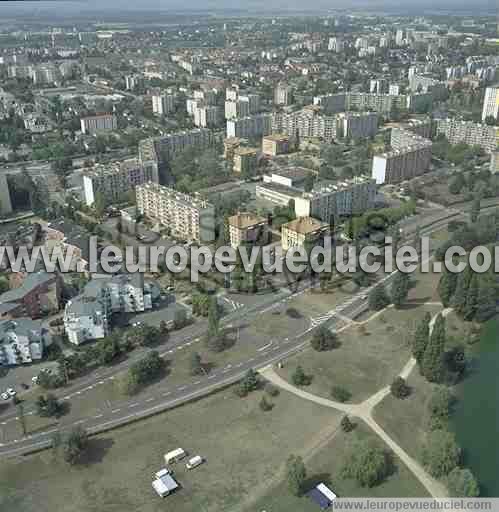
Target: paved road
[168,397]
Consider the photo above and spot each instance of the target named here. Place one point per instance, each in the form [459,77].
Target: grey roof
[21,326]
[30,282]
[84,305]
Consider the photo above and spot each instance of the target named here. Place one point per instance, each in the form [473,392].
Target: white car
[34,379]
[11,392]
[5,396]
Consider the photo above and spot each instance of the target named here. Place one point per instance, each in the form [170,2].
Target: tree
[378,298]
[461,293]
[439,407]
[296,474]
[487,298]
[346,424]
[421,338]
[48,406]
[250,382]
[74,445]
[433,359]
[143,371]
[196,365]
[299,378]
[400,288]
[475,210]
[367,462]
[462,484]
[470,307]
[109,349]
[341,394]
[399,388]
[22,418]
[324,339]
[441,454]
[264,404]
[447,286]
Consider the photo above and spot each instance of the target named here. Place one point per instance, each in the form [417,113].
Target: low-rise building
[247,228]
[303,231]
[87,316]
[293,177]
[37,294]
[22,341]
[276,144]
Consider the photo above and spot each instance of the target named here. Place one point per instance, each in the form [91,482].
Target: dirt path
[364,412]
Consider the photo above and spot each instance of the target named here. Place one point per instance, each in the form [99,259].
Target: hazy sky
[8,7]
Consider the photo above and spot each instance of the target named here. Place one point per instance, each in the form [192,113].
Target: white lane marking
[115,411]
[261,349]
[98,416]
[133,405]
[150,399]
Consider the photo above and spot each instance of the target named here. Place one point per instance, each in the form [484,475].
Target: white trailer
[194,462]
[175,455]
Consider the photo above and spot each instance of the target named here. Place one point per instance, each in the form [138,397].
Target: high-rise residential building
[189,217]
[399,37]
[207,116]
[257,125]
[133,81]
[331,103]
[491,103]
[402,164]
[308,122]
[357,125]
[159,151]
[162,103]
[253,101]
[115,180]
[394,89]
[237,108]
[247,228]
[283,94]
[95,124]
[473,134]
[344,198]
[245,160]
[383,103]
[379,86]
[336,44]
[303,231]
[276,144]
[494,162]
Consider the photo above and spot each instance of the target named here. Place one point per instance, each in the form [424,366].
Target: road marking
[181,388]
[167,393]
[212,376]
[150,399]
[78,393]
[197,382]
[98,416]
[79,422]
[133,405]
[101,382]
[265,347]
[115,411]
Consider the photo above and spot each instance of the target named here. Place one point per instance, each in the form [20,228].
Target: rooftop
[305,225]
[30,283]
[246,220]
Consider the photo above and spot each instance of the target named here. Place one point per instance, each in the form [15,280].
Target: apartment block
[383,103]
[247,228]
[308,122]
[113,181]
[87,316]
[245,160]
[188,217]
[344,198]
[402,164]
[162,103]
[236,108]
[257,125]
[491,103]
[303,231]
[23,341]
[95,124]
[274,145]
[283,94]
[293,177]
[456,131]
[331,103]
[494,162]
[357,125]
[207,116]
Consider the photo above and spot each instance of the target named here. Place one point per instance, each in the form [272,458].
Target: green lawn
[369,357]
[244,448]
[326,467]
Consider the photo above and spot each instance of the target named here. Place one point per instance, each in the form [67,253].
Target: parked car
[194,462]
[11,392]
[5,396]
[34,379]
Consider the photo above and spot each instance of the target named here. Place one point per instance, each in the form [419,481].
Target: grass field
[369,357]
[326,465]
[244,448]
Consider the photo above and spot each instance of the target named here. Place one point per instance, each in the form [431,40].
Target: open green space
[244,449]
[326,466]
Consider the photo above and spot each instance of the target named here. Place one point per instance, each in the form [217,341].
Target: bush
[462,484]
[441,454]
[299,378]
[271,390]
[346,424]
[399,388]
[264,404]
[341,394]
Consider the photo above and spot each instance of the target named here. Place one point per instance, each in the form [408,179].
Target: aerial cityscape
[249,256]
